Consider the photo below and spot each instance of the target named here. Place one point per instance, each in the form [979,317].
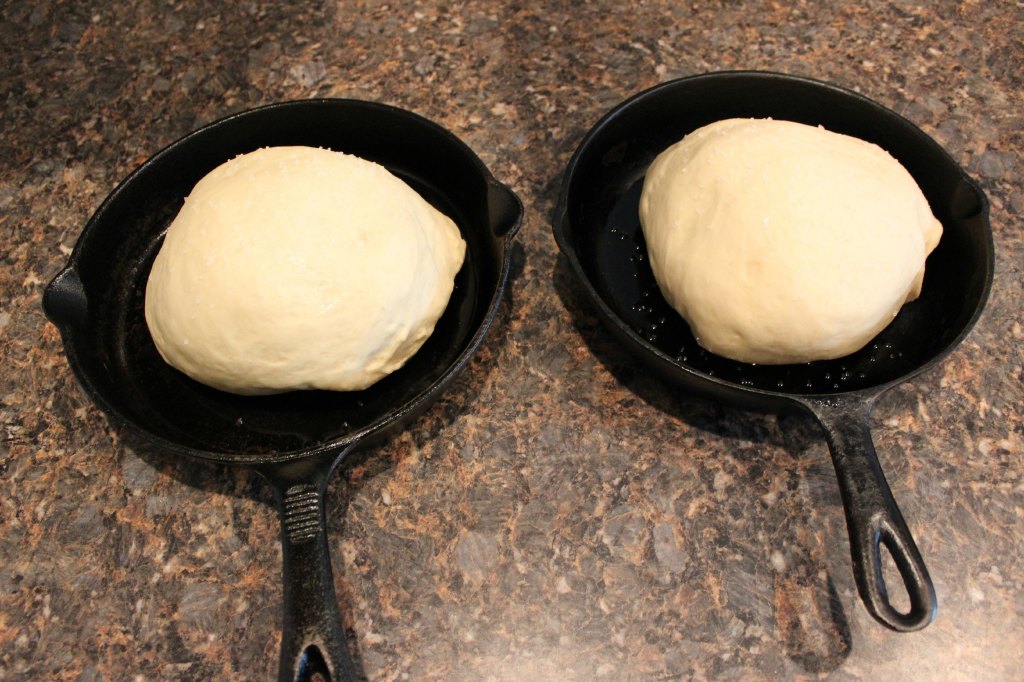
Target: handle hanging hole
[313,666]
[893,583]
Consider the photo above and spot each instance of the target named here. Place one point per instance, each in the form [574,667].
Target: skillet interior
[112,350]
[597,225]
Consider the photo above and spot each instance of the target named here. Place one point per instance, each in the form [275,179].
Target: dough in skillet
[780,242]
[300,268]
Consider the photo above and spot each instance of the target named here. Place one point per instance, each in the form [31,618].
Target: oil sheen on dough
[300,268]
[780,242]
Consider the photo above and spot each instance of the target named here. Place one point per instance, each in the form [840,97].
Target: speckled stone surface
[559,514]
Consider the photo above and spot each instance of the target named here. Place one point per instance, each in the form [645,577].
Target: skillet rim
[503,237]
[683,374]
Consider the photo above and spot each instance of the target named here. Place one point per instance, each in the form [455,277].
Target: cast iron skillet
[597,228]
[295,440]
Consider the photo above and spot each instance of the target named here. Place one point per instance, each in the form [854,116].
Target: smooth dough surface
[780,242]
[299,268]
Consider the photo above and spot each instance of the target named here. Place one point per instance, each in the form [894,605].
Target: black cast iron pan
[295,440]
[597,228]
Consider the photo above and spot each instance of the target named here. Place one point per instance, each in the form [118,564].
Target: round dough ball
[780,242]
[300,268]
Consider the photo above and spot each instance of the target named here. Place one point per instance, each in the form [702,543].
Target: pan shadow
[358,467]
[705,414]
[244,483]
[811,624]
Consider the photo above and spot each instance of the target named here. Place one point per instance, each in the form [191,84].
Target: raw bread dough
[299,268]
[784,243]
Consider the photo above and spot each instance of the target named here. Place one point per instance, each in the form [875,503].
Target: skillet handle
[313,645]
[872,517]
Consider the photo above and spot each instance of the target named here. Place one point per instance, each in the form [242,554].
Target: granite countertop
[559,514]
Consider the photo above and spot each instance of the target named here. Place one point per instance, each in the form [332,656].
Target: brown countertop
[558,514]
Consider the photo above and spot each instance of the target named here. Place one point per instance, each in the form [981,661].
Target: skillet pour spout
[596,226]
[294,440]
